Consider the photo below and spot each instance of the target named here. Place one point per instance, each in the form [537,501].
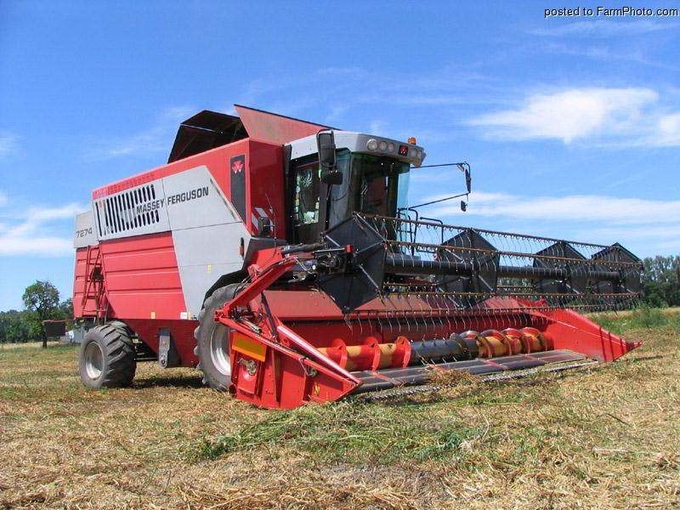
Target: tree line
[661,281]
[41,302]
[660,288]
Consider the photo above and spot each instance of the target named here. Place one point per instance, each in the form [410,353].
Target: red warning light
[403,150]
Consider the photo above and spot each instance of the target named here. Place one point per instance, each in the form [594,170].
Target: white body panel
[207,232]
[85,234]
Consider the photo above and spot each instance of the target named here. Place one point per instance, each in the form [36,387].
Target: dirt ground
[604,437]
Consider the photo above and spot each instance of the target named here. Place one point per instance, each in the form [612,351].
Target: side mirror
[325,143]
[465,168]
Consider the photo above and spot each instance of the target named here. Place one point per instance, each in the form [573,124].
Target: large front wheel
[212,341]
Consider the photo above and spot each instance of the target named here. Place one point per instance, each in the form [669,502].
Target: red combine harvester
[281,259]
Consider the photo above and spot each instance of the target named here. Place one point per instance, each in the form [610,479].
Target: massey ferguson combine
[281,259]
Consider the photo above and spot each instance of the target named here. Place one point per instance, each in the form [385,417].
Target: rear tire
[122,327]
[212,342]
[107,358]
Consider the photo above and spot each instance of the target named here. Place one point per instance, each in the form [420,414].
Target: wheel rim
[219,350]
[94,360]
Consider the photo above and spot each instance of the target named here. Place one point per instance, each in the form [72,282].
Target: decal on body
[206,228]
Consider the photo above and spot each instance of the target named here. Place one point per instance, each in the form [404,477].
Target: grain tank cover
[208,130]
[204,131]
[273,128]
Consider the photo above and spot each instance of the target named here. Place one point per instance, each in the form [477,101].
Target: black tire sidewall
[118,357]
[204,332]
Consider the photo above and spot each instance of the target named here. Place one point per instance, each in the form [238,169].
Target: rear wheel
[212,341]
[122,328]
[107,358]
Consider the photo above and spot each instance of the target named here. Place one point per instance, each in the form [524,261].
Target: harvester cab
[334,174]
[281,258]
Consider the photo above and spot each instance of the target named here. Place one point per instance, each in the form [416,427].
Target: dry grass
[603,438]
[29,345]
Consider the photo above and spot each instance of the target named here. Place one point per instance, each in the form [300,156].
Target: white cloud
[606,28]
[37,246]
[33,232]
[151,140]
[9,144]
[668,130]
[630,116]
[377,126]
[646,227]
[607,55]
[581,208]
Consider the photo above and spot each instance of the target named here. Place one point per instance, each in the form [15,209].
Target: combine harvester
[280,258]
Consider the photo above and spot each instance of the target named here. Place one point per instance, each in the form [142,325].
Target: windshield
[375,183]
[371,184]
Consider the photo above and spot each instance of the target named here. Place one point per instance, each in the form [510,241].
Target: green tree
[42,301]
[661,280]
[66,312]
[14,327]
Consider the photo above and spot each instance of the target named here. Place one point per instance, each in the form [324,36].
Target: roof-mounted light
[390,147]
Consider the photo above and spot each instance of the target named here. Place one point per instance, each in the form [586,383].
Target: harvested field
[605,437]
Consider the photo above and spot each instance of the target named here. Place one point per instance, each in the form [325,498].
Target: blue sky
[571,124]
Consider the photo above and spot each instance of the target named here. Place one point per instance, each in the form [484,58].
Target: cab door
[309,200]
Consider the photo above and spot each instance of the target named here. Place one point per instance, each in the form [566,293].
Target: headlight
[390,147]
[382,146]
[372,144]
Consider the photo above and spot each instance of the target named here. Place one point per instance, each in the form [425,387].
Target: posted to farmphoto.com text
[600,11]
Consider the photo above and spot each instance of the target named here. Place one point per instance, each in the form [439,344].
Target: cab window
[307,194]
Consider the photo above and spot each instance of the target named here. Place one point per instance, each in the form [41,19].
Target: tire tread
[119,357]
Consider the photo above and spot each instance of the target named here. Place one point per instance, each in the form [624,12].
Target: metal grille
[121,212]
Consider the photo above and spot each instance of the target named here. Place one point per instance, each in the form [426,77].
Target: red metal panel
[163,279]
[182,336]
[267,190]
[142,278]
[570,330]
[274,129]
[287,378]
[79,282]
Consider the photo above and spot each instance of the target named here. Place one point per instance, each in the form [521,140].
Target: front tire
[212,341]
[107,358]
